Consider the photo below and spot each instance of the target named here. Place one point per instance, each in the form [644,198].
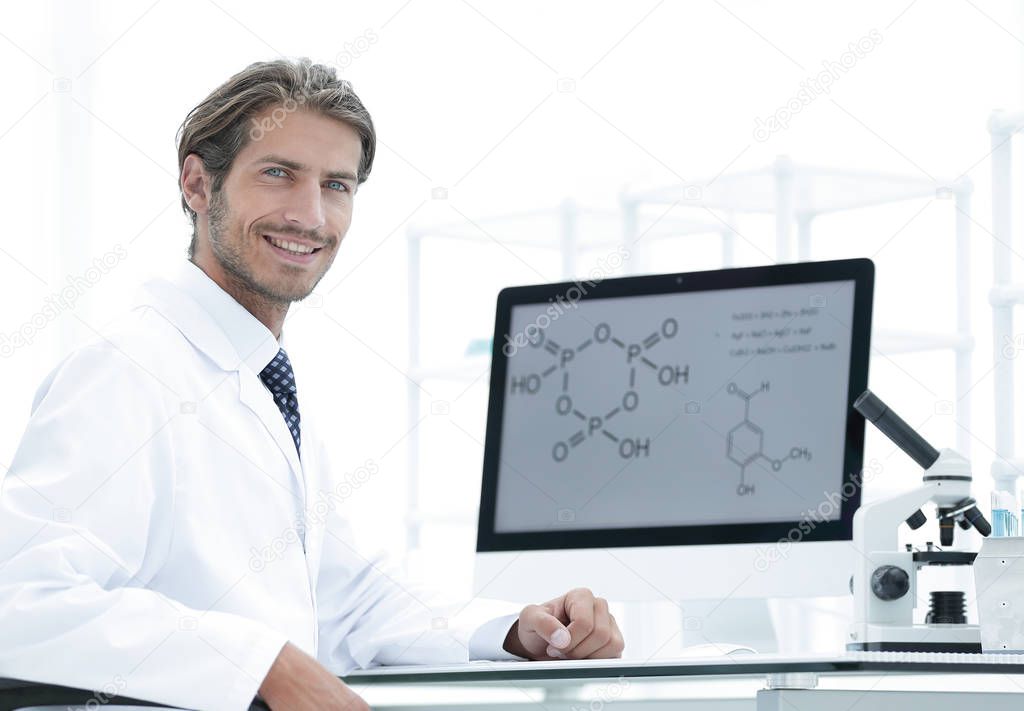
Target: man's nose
[305,208]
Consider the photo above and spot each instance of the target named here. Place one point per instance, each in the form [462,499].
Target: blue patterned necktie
[280,381]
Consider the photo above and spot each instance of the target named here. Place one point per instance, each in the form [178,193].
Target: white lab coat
[159,536]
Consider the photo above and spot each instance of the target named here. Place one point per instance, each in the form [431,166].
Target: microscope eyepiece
[892,426]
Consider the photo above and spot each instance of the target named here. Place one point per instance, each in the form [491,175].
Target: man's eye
[270,169]
[342,188]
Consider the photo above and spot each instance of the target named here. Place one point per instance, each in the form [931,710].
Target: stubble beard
[229,251]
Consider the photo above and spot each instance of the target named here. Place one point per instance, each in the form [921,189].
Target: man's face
[288,191]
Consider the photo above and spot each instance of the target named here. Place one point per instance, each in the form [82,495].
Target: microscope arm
[876,525]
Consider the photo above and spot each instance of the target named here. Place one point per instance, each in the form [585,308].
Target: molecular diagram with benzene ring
[745,441]
[604,423]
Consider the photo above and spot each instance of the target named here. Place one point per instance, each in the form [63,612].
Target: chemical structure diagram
[745,441]
[633,356]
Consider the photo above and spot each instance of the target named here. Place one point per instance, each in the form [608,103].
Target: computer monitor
[688,436]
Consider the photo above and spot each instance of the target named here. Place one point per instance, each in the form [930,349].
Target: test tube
[1019,507]
[1012,506]
[1001,514]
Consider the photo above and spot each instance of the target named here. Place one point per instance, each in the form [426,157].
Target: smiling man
[288,209]
[161,459]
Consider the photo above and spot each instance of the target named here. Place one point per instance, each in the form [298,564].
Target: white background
[465,96]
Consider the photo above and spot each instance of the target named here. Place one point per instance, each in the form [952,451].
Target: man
[158,459]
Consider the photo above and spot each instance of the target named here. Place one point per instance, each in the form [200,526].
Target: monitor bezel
[860,271]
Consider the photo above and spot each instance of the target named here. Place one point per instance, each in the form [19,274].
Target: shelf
[533,228]
[457,518]
[815,189]
[1006,294]
[890,341]
[1005,121]
[467,370]
[667,226]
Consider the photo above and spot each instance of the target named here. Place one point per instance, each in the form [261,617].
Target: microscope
[884,582]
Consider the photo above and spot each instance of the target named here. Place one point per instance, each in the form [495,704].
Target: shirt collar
[251,340]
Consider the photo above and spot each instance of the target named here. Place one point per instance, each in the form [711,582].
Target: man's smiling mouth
[291,246]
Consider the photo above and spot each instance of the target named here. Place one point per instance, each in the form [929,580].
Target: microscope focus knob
[890,582]
[917,519]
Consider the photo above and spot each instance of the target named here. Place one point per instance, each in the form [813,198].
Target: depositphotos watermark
[354,49]
[275,119]
[1013,346]
[60,301]
[605,695]
[826,510]
[813,87]
[103,696]
[350,51]
[533,332]
[316,514]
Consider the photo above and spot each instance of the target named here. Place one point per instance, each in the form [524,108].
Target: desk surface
[718,666]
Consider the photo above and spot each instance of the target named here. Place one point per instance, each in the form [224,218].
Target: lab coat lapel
[257,398]
[316,482]
[205,334]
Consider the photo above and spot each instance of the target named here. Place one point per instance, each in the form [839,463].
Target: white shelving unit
[796,194]
[1004,296]
[567,228]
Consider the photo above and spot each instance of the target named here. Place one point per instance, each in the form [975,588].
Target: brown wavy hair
[224,122]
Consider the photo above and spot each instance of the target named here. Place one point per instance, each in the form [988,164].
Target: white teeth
[293,247]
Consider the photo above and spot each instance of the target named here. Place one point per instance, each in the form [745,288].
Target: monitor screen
[713,406]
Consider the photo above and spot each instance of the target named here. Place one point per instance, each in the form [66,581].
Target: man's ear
[195,184]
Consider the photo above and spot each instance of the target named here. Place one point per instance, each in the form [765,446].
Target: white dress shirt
[160,535]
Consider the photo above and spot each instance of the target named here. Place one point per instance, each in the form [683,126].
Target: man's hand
[297,681]
[576,625]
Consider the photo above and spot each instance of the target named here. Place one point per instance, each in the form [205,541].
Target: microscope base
[915,638]
[963,648]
